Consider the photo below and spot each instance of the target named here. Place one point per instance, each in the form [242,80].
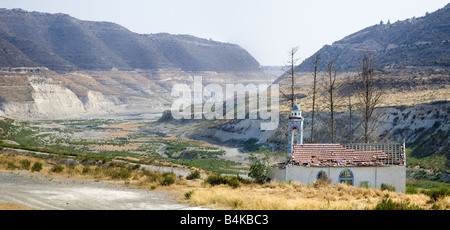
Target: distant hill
[419,42]
[63,43]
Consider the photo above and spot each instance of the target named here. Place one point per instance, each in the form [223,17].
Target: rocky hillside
[40,93]
[63,43]
[56,66]
[418,42]
[424,128]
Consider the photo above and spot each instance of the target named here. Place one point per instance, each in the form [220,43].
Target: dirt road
[48,193]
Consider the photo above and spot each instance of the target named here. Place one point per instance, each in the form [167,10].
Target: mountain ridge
[64,43]
[420,42]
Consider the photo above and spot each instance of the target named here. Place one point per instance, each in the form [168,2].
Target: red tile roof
[335,155]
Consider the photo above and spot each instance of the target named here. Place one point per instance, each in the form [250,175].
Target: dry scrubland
[284,196]
[245,196]
[405,89]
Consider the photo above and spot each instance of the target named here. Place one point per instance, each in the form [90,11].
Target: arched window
[346,176]
[294,135]
[322,175]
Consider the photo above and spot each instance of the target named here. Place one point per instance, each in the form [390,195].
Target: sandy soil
[48,193]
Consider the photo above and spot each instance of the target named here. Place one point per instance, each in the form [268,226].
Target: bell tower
[295,128]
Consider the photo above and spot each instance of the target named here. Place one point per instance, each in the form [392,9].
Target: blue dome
[295,107]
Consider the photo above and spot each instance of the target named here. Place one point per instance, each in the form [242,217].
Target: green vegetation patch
[213,165]
[431,144]
[217,179]
[53,137]
[388,204]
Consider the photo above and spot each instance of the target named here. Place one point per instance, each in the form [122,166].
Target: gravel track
[49,193]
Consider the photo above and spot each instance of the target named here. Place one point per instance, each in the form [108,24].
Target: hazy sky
[265,28]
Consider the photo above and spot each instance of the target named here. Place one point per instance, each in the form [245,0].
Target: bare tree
[315,61]
[330,96]
[289,69]
[369,96]
[349,93]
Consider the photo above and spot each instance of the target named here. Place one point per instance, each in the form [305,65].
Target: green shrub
[259,165]
[193,175]
[411,190]
[136,167]
[387,187]
[216,179]
[86,169]
[152,176]
[71,166]
[436,193]
[233,182]
[388,204]
[36,167]
[168,178]
[188,194]
[209,164]
[11,165]
[119,173]
[237,204]
[25,164]
[57,168]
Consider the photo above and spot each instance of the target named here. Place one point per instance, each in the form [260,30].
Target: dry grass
[415,97]
[12,206]
[127,128]
[137,177]
[443,203]
[409,95]
[12,161]
[283,196]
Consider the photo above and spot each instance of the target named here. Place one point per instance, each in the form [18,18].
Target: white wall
[375,176]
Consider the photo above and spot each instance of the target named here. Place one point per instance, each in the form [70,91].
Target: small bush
[120,173]
[411,190]
[387,187]
[237,204]
[168,179]
[152,176]
[36,167]
[216,179]
[320,182]
[436,193]
[165,179]
[388,204]
[136,167]
[86,169]
[193,175]
[71,166]
[188,194]
[25,164]
[233,182]
[11,165]
[57,168]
